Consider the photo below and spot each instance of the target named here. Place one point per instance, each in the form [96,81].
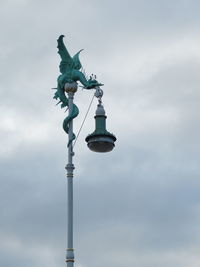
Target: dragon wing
[76,60]
[67,62]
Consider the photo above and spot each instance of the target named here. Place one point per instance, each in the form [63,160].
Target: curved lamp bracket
[98,94]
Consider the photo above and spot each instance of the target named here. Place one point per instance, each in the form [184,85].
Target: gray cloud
[138,205]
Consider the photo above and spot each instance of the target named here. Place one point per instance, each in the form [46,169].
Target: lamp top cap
[100,111]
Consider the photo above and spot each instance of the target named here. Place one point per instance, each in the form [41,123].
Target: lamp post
[99,141]
[70,168]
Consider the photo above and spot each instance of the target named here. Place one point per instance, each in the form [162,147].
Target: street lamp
[99,141]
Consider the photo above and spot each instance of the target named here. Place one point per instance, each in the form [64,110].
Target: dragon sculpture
[70,75]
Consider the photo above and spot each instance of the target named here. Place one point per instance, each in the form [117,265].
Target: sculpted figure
[70,75]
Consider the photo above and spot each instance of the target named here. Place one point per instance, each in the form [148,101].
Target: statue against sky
[70,75]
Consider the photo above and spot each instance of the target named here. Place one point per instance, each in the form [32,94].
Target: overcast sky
[138,205]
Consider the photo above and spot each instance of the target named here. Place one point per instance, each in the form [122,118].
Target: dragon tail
[68,119]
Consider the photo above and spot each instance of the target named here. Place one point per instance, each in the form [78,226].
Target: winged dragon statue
[70,74]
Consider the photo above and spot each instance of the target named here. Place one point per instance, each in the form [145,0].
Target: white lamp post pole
[70,168]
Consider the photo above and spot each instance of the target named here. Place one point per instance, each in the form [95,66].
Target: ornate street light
[99,141]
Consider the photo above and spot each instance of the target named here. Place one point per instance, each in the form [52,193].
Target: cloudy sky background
[137,206]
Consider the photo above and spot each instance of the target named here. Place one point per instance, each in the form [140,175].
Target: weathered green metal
[100,140]
[70,75]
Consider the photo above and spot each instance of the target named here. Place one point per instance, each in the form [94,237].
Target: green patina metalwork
[70,74]
[100,128]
